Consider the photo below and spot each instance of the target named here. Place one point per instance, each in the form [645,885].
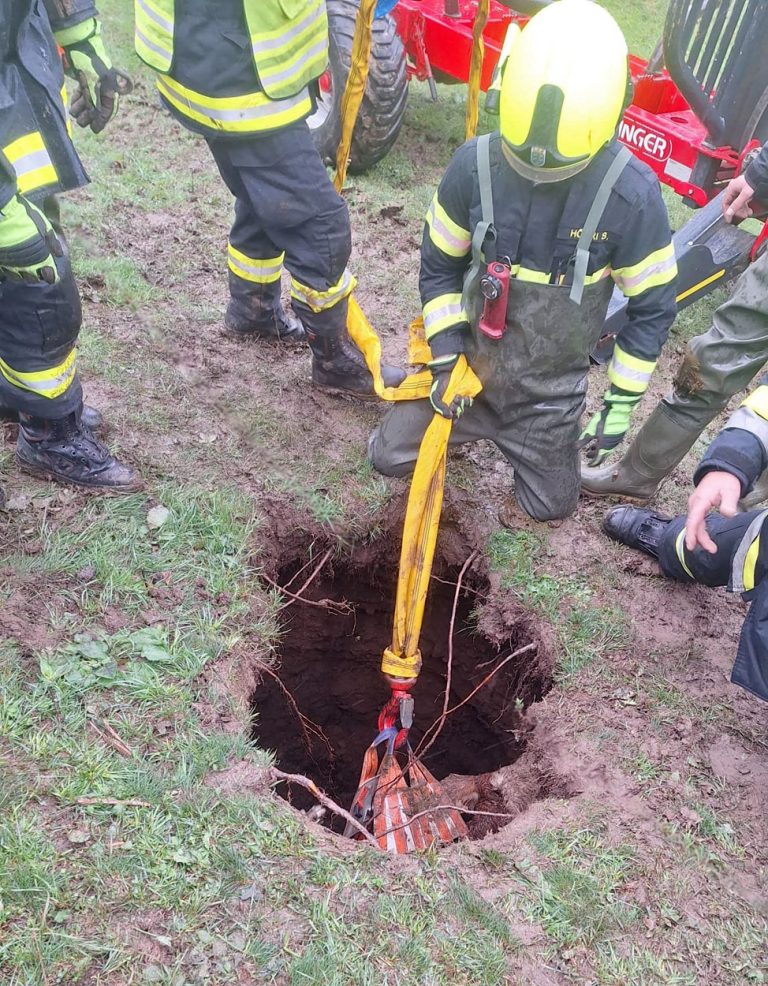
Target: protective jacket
[538,227]
[757,174]
[36,154]
[741,561]
[234,67]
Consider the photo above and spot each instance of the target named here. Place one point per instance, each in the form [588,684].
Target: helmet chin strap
[542,175]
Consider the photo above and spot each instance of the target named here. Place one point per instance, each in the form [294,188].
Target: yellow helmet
[563,91]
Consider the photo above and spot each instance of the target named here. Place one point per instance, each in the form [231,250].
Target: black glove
[442,367]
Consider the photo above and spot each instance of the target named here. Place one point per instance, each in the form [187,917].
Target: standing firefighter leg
[717,365]
[291,198]
[39,324]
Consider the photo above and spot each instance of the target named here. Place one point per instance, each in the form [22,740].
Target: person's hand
[442,367]
[28,244]
[99,85]
[606,428]
[717,490]
[736,199]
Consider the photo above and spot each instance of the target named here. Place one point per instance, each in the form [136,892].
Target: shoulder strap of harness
[589,229]
[484,236]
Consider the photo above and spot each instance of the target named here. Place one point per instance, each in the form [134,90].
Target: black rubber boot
[92,419]
[339,367]
[64,450]
[636,527]
[257,312]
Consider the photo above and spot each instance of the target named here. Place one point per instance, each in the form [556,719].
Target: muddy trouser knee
[677,562]
[39,325]
[541,450]
[723,360]
[541,446]
[394,445]
[287,212]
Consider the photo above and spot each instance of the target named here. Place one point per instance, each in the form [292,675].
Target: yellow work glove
[607,427]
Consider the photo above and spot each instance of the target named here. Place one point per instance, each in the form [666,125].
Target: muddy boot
[258,313]
[92,419]
[338,367]
[637,528]
[660,444]
[63,449]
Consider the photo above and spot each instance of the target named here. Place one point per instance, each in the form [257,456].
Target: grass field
[140,841]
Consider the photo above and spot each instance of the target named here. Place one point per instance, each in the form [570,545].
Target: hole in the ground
[329,664]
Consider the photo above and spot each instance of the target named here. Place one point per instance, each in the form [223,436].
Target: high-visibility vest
[289,40]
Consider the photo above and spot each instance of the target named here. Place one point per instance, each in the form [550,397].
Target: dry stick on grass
[106,733]
[327,802]
[421,750]
[307,725]
[127,802]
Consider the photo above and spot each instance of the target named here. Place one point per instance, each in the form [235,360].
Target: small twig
[341,608]
[110,737]
[459,808]
[305,722]
[467,588]
[326,802]
[309,581]
[421,750]
[447,695]
[127,802]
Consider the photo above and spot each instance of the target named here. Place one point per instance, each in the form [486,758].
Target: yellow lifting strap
[425,500]
[476,69]
[355,87]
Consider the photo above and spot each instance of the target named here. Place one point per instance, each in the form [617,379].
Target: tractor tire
[386,92]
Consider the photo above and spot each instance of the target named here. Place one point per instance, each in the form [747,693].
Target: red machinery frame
[659,126]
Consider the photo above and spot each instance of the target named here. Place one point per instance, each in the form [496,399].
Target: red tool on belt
[494,286]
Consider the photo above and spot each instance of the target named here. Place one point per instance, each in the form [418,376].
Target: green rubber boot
[660,444]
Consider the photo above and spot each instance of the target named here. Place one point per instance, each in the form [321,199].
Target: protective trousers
[722,361]
[741,563]
[287,212]
[534,387]
[39,325]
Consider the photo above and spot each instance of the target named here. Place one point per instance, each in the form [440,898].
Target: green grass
[586,632]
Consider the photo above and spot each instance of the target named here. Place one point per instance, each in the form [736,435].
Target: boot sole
[641,501]
[346,394]
[41,473]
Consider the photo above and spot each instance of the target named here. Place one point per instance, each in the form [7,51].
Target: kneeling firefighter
[242,73]
[40,310]
[525,237]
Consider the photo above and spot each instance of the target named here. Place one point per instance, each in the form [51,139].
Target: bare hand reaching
[736,199]
[718,490]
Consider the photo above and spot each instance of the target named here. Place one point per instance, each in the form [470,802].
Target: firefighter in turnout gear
[725,548]
[557,212]
[717,364]
[242,73]
[39,304]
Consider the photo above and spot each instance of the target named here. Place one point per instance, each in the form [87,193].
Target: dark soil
[328,663]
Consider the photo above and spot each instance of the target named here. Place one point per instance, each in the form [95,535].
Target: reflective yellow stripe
[45,383]
[528,274]
[236,114]
[153,35]
[758,401]
[320,301]
[259,270]
[659,267]
[447,235]
[750,564]
[701,284]
[65,102]
[597,276]
[31,162]
[680,551]
[291,54]
[442,313]
[630,372]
